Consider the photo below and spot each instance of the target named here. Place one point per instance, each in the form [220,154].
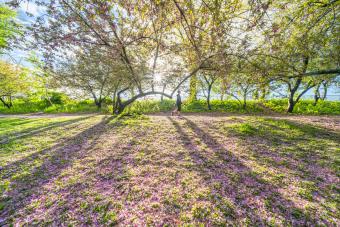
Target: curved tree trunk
[120,106]
[7,104]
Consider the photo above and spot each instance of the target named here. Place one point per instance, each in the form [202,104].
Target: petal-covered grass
[162,170]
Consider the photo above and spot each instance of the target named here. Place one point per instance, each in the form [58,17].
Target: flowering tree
[13,81]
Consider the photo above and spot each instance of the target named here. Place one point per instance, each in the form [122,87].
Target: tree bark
[208,97]
[99,103]
[245,101]
[122,105]
[113,102]
[7,104]
[292,91]
[162,96]
[291,104]
[193,89]
[325,87]
[291,101]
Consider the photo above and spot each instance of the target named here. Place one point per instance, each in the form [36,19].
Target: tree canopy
[142,45]
[13,81]
[9,28]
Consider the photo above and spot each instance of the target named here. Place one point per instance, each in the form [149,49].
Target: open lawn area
[210,169]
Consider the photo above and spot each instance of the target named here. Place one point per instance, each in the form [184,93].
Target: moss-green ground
[157,170]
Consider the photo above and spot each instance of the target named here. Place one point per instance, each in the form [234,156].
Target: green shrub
[24,106]
[21,106]
[59,98]
[305,106]
[151,106]
[63,104]
[221,106]
[75,107]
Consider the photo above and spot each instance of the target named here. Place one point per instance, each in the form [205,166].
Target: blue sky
[18,55]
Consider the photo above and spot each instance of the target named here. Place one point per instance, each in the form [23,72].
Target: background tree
[207,80]
[9,28]
[13,81]
[92,72]
[299,40]
[241,87]
[42,83]
[320,90]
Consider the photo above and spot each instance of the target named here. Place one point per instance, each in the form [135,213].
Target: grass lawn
[158,170]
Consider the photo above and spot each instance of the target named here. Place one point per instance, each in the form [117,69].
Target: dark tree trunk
[120,107]
[98,103]
[291,101]
[291,105]
[208,97]
[245,91]
[7,104]
[162,96]
[113,102]
[292,91]
[316,99]
[245,101]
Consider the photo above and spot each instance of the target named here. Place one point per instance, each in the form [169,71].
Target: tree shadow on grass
[300,152]
[30,179]
[307,129]
[300,149]
[36,130]
[90,188]
[301,143]
[14,121]
[238,182]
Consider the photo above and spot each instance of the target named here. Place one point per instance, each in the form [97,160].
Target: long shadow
[282,136]
[247,184]
[106,175]
[308,129]
[15,121]
[36,130]
[13,167]
[56,160]
[305,150]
